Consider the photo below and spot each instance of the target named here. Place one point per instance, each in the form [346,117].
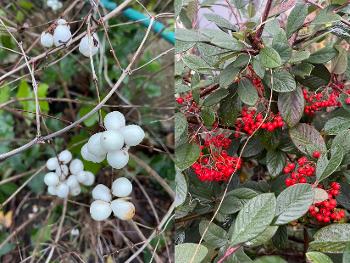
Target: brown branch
[263,19]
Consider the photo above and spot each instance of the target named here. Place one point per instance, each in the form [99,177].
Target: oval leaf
[291,106]
[247,92]
[269,58]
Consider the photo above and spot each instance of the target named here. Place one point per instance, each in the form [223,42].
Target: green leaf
[281,45]
[325,16]
[346,255]
[181,127]
[336,125]
[302,70]
[221,39]
[208,116]
[195,62]
[236,199]
[184,253]
[323,55]
[293,203]
[270,259]
[305,136]
[340,62]
[263,237]
[25,91]
[331,239]
[215,236]
[229,108]
[92,120]
[296,18]
[247,92]
[320,76]
[181,188]
[325,168]
[283,81]
[42,91]
[220,21]
[215,97]
[318,257]
[4,93]
[186,155]
[269,58]
[291,106]
[189,35]
[299,56]
[254,218]
[280,239]
[228,75]
[341,140]
[275,161]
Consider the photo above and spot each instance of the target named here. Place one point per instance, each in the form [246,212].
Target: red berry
[316,154]
[180,100]
[347,100]
[286,170]
[335,186]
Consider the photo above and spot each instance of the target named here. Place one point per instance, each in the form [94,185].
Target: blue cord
[134,15]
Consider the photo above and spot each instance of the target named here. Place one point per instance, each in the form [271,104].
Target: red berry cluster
[328,97]
[299,171]
[251,120]
[187,101]
[255,80]
[325,211]
[214,163]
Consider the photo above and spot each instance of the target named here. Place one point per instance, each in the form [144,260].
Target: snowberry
[65,156]
[72,181]
[118,159]
[46,39]
[76,166]
[122,209]
[101,192]
[75,191]
[62,190]
[62,171]
[52,190]
[89,45]
[94,145]
[133,134]
[51,179]
[52,163]
[100,210]
[114,120]
[88,156]
[86,178]
[121,187]
[61,21]
[112,140]
[61,35]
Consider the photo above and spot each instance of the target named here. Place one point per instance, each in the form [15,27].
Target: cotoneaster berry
[347,100]
[180,100]
[100,210]
[316,154]
[121,187]
[101,192]
[89,45]
[123,209]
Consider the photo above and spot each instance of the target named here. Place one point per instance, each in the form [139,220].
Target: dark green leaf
[291,106]
[215,97]
[323,55]
[215,236]
[296,18]
[186,155]
[247,92]
[275,161]
[269,58]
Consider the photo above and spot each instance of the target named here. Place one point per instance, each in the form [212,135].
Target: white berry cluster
[66,175]
[114,142]
[54,4]
[88,45]
[103,205]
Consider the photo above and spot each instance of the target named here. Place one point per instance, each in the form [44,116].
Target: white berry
[121,187]
[118,159]
[76,166]
[52,190]
[86,178]
[101,192]
[51,179]
[133,134]
[61,21]
[46,39]
[65,156]
[88,156]
[62,171]
[122,209]
[52,163]
[112,140]
[100,210]
[94,145]
[89,45]
[61,35]
[75,191]
[114,120]
[62,190]
[72,181]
